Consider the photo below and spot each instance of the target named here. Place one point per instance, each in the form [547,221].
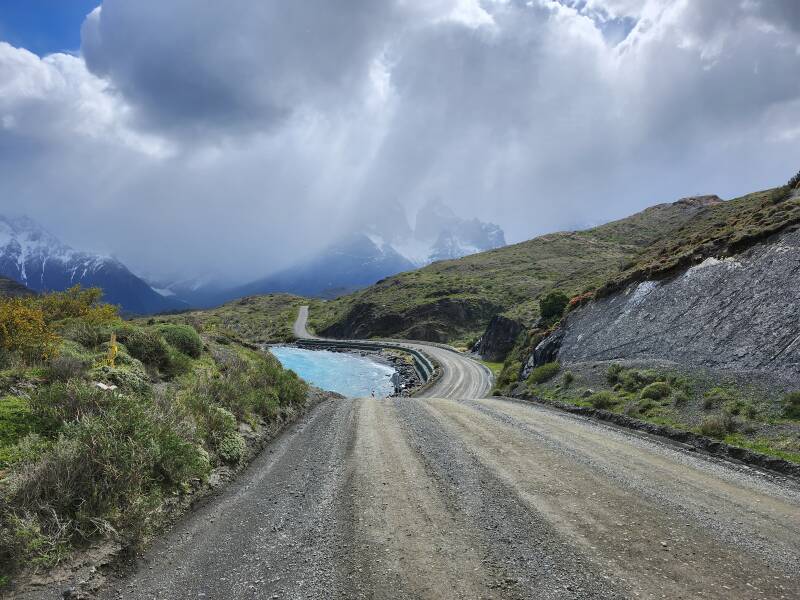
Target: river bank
[386,362]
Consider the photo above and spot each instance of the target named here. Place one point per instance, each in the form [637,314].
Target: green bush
[180,459]
[182,337]
[791,405]
[718,425]
[681,398]
[59,403]
[552,305]
[105,471]
[129,379]
[231,448]
[613,373]
[67,366]
[716,397]
[656,390]
[176,364]
[603,399]
[509,374]
[633,380]
[16,419]
[543,373]
[568,378]
[148,346]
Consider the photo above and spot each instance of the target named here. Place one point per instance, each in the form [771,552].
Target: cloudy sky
[229,138]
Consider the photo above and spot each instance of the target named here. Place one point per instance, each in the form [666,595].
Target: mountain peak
[31,255]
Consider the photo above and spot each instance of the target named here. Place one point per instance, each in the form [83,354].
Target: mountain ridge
[32,256]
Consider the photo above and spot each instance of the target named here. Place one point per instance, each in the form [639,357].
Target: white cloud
[198,137]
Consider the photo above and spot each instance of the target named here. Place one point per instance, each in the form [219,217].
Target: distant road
[461,497]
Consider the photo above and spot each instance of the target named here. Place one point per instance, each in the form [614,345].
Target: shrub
[148,346]
[791,405]
[16,419]
[656,390]
[568,378]
[543,373]
[180,459]
[681,398]
[633,380]
[602,399]
[60,403]
[552,305]
[715,397]
[794,181]
[66,366]
[613,373]
[127,378]
[105,471]
[231,448]
[509,374]
[77,303]
[23,330]
[182,337]
[718,425]
[176,364]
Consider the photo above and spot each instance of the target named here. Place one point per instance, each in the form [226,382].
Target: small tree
[552,305]
[23,330]
[795,181]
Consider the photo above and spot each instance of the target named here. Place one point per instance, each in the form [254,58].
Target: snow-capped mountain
[438,234]
[34,257]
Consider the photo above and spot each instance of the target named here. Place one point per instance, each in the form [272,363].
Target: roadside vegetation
[104,421]
[257,319]
[757,418]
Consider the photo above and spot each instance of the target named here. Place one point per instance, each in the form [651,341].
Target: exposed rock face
[739,314]
[498,339]
[432,322]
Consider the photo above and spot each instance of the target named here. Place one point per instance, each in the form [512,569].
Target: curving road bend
[478,498]
[461,377]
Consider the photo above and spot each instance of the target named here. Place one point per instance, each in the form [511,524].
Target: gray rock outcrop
[498,339]
[738,314]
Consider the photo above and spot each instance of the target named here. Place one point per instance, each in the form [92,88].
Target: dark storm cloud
[235,64]
[231,138]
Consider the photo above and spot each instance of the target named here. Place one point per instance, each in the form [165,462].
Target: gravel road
[461,497]
[439,498]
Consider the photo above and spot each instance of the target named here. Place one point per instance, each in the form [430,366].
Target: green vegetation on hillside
[748,416]
[79,461]
[722,229]
[453,300]
[258,319]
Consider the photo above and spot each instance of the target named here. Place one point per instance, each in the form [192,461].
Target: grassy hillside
[453,300]
[80,462]
[10,288]
[258,319]
[723,229]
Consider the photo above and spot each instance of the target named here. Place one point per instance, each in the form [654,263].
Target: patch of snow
[164,292]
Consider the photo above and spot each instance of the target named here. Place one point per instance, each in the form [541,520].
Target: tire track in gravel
[524,552]
[646,544]
[406,542]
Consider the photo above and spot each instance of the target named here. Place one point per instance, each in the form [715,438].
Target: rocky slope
[32,256]
[737,314]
